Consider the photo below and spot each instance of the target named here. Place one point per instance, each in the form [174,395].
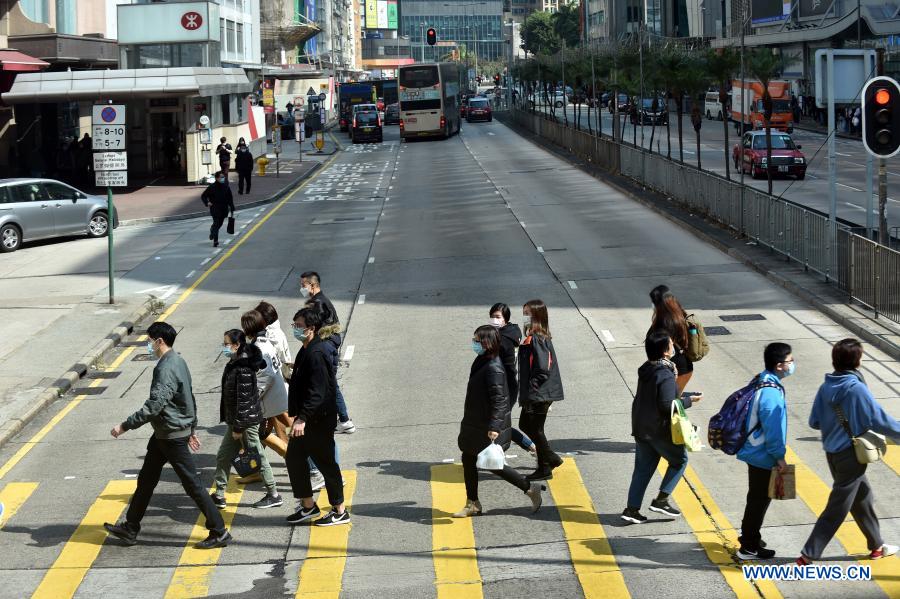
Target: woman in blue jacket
[845,402]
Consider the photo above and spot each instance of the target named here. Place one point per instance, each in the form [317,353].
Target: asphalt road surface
[414,242]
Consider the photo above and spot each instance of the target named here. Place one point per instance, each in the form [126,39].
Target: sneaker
[345,427]
[803,560]
[662,506]
[634,516]
[752,554]
[218,500]
[303,515]
[125,532]
[534,493]
[761,542]
[332,518]
[883,551]
[270,500]
[473,508]
[214,541]
[317,481]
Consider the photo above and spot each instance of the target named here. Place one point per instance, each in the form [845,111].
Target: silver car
[32,209]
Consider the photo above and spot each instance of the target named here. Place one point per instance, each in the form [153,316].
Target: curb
[824,132]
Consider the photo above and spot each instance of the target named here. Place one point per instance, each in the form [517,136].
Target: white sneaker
[883,551]
[345,427]
[317,481]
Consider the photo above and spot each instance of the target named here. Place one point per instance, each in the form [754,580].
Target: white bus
[430,99]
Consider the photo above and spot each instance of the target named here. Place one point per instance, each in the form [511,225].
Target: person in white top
[276,336]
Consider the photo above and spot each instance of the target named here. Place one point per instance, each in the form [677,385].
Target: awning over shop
[124,84]
[12,60]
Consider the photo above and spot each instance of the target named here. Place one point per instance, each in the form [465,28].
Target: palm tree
[766,66]
[721,64]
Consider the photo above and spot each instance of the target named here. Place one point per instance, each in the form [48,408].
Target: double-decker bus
[429,99]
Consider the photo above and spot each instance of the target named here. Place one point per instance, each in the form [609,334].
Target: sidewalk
[808,124]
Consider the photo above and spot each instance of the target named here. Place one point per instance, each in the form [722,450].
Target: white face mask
[497,322]
[304,292]
[526,320]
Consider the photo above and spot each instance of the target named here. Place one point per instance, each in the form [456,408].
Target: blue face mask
[477,348]
[790,369]
[300,335]
[227,351]
[150,348]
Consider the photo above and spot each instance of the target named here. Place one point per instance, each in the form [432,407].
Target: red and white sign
[191,20]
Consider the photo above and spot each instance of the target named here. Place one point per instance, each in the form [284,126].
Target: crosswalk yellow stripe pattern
[195,568]
[323,569]
[12,497]
[592,556]
[453,539]
[83,547]
[892,458]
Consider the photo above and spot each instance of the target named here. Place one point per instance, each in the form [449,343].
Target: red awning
[11,60]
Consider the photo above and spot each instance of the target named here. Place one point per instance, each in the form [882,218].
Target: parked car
[620,105]
[392,114]
[32,209]
[650,115]
[479,110]
[712,107]
[787,159]
[366,127]
[558,99]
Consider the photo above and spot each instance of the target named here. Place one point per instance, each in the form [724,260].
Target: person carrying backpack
[764,447]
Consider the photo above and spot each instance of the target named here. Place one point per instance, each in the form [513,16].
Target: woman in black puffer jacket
[241,410]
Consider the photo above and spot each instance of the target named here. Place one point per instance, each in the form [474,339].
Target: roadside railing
[867,271]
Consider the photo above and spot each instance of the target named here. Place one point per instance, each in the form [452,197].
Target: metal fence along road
[867,271]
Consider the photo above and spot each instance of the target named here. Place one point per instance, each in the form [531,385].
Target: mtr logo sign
[191,20]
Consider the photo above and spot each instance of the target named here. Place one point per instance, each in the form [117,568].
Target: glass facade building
[476,25]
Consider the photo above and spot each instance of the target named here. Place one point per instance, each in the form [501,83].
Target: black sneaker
[663,507]
[761,542]
[634,516]
[270,500]
[214,541]
[304,515]
[218,500]
[751,554]
[332,518]
[125,532]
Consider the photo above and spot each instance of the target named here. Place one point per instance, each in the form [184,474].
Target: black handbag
[230,225]
[247,461]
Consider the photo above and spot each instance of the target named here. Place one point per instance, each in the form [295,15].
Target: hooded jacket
[651,411]
[312,394]
[847,390]
[539,378]
[510,337]
[487,407]
[767,423]
[240,407]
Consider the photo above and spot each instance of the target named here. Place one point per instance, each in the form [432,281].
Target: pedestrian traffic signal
[431,36]
[881,117]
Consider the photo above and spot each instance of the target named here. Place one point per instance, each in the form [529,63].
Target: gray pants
[851,492]
[229,449]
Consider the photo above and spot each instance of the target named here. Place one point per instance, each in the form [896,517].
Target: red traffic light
[431,36]
[881,117]
[882,97]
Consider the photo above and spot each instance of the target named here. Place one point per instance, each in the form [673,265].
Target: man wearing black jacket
[220,201]
[312,403]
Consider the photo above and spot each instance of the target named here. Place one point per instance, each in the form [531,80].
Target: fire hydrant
[262,162]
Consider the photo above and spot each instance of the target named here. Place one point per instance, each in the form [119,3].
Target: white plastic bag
[491,458]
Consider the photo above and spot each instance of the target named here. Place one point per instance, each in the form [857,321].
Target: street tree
[567,23]
[722,64]
[670,62]
[539,35]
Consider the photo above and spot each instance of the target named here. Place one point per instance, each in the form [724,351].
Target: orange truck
[750,97]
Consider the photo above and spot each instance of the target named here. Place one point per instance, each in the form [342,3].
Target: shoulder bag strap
[839,412]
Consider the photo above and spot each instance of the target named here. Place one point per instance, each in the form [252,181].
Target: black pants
[757,503]
[318,445]
[470,475]
[243,177]
[218,217]
[531,422]
[176,453]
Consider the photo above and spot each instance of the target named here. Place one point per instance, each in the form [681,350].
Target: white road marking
[348,353]
[371,260]
[169,293]
[68,478]
[842,154]
[190,274]
[607,336]
[377,232]
[448,461]
[216,252]
[523,224]
[850,187]
[131,476]
[489,133]
[572,285]
[160,288]
[362,299]
[205,261]
[540,250]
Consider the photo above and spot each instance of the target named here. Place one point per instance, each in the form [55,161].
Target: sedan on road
[479,109]
[392,114]
[787,159]
[32,209]
[366,127]
[650,114]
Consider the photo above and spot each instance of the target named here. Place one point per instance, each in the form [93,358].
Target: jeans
[521,439]
[646,458]
[531,421]
[243,177]
[229,449]
[318,445]
[757,504]
[470,475]
[343,416]
[177,453]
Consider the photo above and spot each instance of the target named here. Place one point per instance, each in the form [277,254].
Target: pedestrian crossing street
[455,542]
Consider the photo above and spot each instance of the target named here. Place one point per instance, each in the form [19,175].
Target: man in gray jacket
[172,412]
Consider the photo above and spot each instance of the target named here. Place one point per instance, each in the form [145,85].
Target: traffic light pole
[882,203]
[832,172]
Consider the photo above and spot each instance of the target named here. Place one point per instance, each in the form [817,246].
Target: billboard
[371,14]
[766,11]
[814,8]
[382,14]
[312,47]
[392,14]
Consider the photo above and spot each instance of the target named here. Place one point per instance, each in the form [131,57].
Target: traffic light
[497,79]
[881,117]
[431,36]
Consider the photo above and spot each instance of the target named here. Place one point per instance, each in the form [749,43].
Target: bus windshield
[423,76]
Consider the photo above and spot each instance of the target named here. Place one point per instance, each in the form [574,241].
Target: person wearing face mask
[243,164]
[486,420]
[845,408]
[241,410]
[218,198]
[510,337]
[172,412]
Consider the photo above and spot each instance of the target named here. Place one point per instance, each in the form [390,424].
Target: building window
[239,38]
[229,30]
[226,109]
[222,36]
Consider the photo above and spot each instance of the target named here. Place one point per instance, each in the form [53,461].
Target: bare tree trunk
[725,124]
[768,152]
[680,112]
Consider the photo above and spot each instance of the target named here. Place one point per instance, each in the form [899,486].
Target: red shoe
[883,551]
[803,560]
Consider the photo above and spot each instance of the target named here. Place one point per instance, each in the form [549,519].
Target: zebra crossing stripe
[456,574]
[12,497]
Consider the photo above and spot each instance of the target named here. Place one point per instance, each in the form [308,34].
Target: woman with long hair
[669,317]
[273,392]
[510,338]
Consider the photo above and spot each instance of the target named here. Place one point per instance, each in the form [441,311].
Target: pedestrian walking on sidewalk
[510,338]
[223,151]
[312,403]
[172,412]
[670,318]
[273,393]
[218,198]
[764,449]
[651,427]
[487,420]
[540,384]
[243,164]
[844,408]
[310,288]
[241,410]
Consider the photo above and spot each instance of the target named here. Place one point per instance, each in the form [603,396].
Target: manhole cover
[741,317]
[717,331]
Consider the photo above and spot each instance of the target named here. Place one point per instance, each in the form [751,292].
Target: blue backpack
[727,430]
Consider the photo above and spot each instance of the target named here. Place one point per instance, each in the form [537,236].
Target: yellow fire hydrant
[262,162]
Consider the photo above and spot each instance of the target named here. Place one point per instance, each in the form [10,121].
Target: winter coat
[219,196]
[849,391]
[539,378]
[487,407]
[510,337]
[277,338]
[651,410]
[767,425]
[312,394]
[272,389]
[328,310]
[240,407]
[171,408]
[243,159]
[331,333]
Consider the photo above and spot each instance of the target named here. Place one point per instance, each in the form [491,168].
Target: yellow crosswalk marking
[592,556]
[191,577]
[814,493]
[83,547]
[892,457]
[456,574]
[12,497]
[323,569]
[716,535]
